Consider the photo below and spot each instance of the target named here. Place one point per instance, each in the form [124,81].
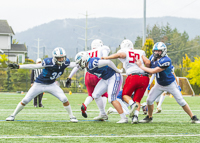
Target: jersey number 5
[133,56]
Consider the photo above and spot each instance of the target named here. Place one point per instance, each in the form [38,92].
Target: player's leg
[153,94]
[35,102]
[40,100]
[142,82]
[174,90]
[162,97]
[99,90]
[105,98]
[56,91]
[130,86]
[32,93]
[114,84]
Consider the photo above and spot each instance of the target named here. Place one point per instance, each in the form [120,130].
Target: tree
[3,60]
[194,76]
[186,62]
[148,46]
[15,41]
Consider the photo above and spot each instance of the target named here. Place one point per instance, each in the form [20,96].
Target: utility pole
[38,47]
[43,52]
[144,24]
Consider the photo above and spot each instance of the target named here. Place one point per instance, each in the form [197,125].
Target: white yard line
[112,136]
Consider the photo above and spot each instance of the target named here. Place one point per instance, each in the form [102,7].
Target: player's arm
[102,63]
[26,66]
[146,61]
[105,51]
[149,70]
[121,55]
[74,70]
[151,80]
[72,65]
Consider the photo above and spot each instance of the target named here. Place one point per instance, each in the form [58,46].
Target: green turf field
[51,124]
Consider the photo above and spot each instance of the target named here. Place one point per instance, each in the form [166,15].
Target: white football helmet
[38,60]
[59,52]
[160,46]
[96,44]
[126,44]
[82,59]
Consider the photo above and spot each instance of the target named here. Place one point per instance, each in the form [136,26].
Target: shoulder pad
[67,62]
[106,48]
[93,62]
[151,57]
[47,62]
[164,62]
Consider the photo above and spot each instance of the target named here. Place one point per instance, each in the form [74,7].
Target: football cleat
[101,118]
[195,119]
[124,120]
[134,119]
[73,119]
[146,120]
[10,118]
[134,106]
[158,110]
[83,110]
[109,111]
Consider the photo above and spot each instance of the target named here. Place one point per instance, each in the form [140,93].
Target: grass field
[51,124]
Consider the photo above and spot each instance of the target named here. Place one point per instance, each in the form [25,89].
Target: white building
[16,52]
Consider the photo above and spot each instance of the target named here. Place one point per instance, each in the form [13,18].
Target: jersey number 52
[133,56]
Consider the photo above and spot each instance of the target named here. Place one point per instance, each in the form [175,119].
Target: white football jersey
[129,62]
[99,52]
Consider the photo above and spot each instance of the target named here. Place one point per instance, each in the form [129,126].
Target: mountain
[66,33]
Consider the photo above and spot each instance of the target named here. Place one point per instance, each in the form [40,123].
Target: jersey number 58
[133,56]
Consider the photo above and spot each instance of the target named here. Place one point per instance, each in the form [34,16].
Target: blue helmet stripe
[61,52]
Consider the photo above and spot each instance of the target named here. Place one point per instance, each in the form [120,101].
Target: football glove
[179,87]
[148,87]
[68,82]
[13,66]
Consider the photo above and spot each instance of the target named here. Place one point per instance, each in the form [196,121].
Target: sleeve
[75,69]
[164,63]
[105,51]
[172,68]
[102,63]
[72,65]
[32,76]
[31,66]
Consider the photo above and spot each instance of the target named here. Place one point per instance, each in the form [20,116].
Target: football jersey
[99,52]
[129,62]
[51,71]
[104,72]
[164,77]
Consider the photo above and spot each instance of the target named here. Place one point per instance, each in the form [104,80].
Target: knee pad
[149,102]
[95,95]
[25,101]
[64,100]
[181,102]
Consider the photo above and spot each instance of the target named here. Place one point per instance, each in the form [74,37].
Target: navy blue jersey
[51,71]
[165,77]
[120,95]
[104,72]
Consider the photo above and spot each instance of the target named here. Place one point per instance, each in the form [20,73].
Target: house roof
[5,28]
[16,47]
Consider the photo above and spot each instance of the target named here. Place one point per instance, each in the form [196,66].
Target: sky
[24,14]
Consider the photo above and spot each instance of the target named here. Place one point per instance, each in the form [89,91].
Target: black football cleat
[83,110]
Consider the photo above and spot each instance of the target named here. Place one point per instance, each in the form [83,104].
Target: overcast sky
[25,14]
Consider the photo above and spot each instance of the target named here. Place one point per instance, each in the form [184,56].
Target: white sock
[161,101]
[18,109]
[130,102]
[104,101]
[100,105]
[69,110]
[122,115]
[136,113]
[88,100]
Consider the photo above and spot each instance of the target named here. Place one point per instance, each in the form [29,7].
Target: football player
[110,82]
[45,82]
[137,80]
[161,66]
[97,50]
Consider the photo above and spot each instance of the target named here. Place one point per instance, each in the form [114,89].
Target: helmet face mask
[159,46]
[126,44]
[59,53]
[82,59]
[97,43]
